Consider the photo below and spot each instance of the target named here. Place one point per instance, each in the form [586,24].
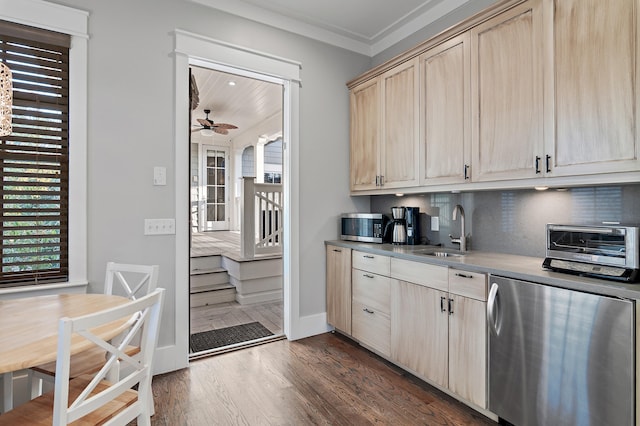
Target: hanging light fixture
[6,100]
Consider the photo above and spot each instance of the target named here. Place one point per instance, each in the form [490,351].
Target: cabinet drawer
[371,262]
[420,273]
[371,290]
[371,328]
[468,284]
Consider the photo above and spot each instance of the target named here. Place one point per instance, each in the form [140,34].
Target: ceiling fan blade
[220,131]
[225,126]
[205,122]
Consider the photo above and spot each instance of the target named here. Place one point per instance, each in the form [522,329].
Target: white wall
[131,123]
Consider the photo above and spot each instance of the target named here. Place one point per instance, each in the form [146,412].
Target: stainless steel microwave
[364,227]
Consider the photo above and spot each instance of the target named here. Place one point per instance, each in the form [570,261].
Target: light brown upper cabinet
[506,93]
[445,131]
[384,130]
[591,86]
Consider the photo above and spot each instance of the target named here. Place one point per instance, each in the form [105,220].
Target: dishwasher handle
[493,307]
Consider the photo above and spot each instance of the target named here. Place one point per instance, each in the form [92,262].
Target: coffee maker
[412,220]
[398,228]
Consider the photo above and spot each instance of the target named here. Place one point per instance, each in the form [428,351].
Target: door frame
[194,49]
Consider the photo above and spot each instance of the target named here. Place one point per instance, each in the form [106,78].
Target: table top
[29,326]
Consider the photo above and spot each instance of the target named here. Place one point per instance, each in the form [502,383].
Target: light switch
[159,226]
[159,175]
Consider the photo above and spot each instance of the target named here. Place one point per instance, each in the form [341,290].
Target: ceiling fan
[209,126]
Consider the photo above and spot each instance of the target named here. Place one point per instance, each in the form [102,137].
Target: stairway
[209,282]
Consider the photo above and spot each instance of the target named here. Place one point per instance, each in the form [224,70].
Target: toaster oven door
[601,245]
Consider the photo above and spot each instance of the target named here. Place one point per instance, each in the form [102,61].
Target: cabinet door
[468,349]
[592,85]
[339,288]
[400,130]
[445,139]
[365,135]
[419,330]
[507,94]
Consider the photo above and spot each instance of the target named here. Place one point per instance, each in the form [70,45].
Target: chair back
[95,393]
[135,280]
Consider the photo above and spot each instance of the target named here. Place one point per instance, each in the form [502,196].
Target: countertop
[506,265]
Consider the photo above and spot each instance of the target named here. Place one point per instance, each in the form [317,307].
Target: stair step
[214,287]
[213,297]
[207,271]
[209,278]
[206,262]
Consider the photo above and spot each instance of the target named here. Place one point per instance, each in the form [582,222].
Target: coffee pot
[398,226]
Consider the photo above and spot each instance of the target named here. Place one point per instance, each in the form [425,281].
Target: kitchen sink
[444,254]
[438,253]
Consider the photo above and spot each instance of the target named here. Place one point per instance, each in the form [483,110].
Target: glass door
[214,212]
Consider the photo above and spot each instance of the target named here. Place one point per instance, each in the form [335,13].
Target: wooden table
[29,330]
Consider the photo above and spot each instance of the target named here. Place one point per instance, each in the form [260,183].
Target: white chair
[134,281]
[92,399]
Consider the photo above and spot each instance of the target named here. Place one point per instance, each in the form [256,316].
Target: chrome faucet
[462,240]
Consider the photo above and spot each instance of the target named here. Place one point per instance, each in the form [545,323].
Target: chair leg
[34,383]
[7,392]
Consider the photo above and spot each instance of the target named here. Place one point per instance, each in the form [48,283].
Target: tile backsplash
[514,221]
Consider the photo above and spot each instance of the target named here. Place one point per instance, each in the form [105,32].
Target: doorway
[236,298]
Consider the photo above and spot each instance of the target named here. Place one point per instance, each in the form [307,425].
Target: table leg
[7,391]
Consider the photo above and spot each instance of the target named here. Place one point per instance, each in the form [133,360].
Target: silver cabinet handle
[367,310]
[492,301]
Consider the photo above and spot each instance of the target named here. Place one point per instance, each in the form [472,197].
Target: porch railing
[261,223]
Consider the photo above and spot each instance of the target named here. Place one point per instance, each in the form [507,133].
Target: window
[34,159]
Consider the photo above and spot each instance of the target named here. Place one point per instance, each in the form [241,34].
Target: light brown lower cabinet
[339,287]
[429,319]
[442,336]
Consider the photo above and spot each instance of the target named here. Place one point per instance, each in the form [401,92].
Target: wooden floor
[325,379]
[221,315]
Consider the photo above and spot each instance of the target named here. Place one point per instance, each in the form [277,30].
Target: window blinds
[34,159]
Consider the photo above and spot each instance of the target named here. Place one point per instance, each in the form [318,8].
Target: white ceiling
[244,105]
[364,26]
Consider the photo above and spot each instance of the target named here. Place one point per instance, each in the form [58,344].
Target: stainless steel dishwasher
[559,357]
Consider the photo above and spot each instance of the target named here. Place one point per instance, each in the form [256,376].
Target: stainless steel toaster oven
[604,251]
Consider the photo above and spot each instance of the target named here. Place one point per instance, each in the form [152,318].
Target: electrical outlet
[159,226]
[435,223]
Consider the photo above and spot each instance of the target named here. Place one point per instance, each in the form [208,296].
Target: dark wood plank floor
[325,379]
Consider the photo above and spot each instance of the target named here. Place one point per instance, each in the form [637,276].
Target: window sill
[42,290]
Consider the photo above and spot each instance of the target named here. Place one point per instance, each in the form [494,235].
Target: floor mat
[227,336]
